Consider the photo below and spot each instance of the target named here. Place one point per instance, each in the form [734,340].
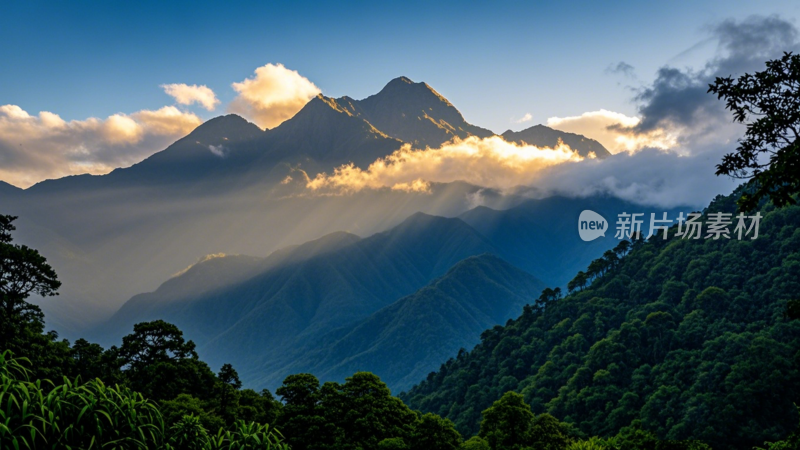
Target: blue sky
[494,61]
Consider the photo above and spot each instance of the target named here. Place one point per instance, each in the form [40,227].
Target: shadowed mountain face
[6,188]
[408,339]
[329,134]
[543,136]
[259,323]
[217,272]
[413,113]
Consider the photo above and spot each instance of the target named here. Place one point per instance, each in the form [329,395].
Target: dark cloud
[747,44]
[678,98]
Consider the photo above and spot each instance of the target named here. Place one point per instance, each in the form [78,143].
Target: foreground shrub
[41,415]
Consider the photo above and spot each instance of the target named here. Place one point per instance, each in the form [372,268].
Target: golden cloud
[615,131]
[272,96]
[489,162]
[185,94]
[34,148]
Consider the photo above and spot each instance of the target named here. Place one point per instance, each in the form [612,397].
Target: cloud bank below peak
[488,162]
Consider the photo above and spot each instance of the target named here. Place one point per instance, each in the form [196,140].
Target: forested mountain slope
[404,341]
[687,338]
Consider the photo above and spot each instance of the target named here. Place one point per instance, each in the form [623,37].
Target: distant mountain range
[231,187]
[258,323]
[540,236]
[342,303]
[325,133]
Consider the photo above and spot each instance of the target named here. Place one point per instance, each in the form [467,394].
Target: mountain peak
[436,227]
[228,127]
[414,113]
[406,86]
[326,130]
[400,81]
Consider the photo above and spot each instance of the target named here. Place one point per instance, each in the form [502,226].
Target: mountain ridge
[544,136]
[405,340]
[303,300]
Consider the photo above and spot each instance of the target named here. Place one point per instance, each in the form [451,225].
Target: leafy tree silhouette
[23,271]
[769,154]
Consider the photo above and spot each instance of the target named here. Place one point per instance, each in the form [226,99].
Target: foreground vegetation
[41,414]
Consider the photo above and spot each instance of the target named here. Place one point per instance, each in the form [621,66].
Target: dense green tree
[184,405]
[549,434]
[158,362]
[89,361]
[303,421]
[392,444]
[257,407]
[368,412]
[475,443]
[508,423]
[622,248]
[154,342]
[579,282]
[228,384]
[358,414]
[432,432]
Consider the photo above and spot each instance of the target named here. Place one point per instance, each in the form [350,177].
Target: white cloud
[273,95]
[615,131]
[489,162]
[187,95]
[526,118]
[37,147]
[650,176]
[218,150]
